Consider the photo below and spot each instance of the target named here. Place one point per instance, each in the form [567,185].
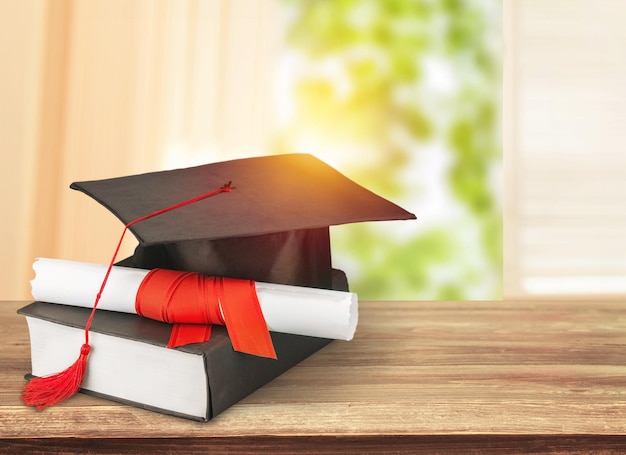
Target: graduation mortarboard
[272,227]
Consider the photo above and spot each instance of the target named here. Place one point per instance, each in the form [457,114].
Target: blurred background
[404,96]
[401,96]
[414,99]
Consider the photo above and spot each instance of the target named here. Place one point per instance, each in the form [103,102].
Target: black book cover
[231,375]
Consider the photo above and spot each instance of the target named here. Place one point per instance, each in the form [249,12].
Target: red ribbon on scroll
[193,302]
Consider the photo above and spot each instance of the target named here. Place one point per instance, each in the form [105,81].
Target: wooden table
[471,377]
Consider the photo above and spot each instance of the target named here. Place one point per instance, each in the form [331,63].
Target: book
[130,363]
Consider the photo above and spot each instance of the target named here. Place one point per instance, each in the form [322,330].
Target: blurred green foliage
[395,79]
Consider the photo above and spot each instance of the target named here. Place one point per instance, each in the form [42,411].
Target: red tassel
[50,390]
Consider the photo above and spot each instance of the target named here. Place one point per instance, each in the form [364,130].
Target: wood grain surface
[475,377]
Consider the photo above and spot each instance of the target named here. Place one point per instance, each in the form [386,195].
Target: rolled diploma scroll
[287,309]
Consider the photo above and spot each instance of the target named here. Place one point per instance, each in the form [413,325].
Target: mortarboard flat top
[271,194]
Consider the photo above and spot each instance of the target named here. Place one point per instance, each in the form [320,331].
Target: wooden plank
[418,369]
[410,444]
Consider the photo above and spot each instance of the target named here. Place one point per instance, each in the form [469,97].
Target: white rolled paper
[287,309]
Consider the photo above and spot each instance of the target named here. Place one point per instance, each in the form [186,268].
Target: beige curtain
[103,88]
[565,148]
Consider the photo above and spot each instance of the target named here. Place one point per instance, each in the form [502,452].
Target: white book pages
[124,369]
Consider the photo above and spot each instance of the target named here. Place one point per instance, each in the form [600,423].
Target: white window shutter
[565,147]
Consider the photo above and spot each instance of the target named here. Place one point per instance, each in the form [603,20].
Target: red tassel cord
[45,391]
[50,390]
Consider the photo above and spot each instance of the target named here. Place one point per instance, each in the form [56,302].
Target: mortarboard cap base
[298,258]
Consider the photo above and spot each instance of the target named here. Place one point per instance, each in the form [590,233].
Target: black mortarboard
[272,227]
